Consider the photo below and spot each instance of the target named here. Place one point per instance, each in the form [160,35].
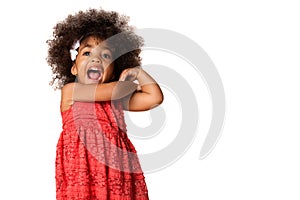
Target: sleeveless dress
[95,159]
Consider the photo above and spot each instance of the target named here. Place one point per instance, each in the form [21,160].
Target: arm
[95,92]
[149,95]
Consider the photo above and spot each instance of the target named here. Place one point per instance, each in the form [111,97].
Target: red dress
[95,159]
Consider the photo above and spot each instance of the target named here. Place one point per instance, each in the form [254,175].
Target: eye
[86,53]
[106,56]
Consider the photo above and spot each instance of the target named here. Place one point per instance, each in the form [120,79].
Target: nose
[96,60]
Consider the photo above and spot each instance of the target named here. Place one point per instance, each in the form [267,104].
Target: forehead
[93,41]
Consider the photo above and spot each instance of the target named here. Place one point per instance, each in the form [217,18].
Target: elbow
[160,99]
[157,101]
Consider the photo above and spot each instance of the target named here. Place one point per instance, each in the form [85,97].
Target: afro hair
[105,25]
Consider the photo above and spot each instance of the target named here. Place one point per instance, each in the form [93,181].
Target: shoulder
[66,96]
[67,91]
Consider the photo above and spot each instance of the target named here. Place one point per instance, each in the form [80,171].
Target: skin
[95,54]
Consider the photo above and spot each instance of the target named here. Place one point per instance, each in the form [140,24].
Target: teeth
[94,68]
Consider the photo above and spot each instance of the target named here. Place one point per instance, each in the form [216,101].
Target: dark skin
[95,55]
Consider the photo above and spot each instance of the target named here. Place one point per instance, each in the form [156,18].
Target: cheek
[109,68]
[81,65]
[110,71]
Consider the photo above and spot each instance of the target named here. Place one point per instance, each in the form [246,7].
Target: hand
[130,74]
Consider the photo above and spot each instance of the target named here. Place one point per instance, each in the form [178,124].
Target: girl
[95,159]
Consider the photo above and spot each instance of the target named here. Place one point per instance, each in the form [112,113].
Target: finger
[131,75]
[123,76]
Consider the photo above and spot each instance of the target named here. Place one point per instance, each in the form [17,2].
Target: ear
[74,70]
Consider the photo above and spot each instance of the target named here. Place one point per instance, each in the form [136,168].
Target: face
[94,62]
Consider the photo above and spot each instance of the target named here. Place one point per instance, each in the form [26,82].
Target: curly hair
[105,25]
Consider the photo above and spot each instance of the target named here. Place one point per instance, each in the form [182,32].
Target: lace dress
[95,159]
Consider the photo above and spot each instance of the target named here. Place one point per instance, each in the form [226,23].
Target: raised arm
[95,92]
[147,97]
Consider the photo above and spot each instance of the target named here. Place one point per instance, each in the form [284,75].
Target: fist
[130,74]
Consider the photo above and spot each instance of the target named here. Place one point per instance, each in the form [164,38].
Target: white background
[255,46]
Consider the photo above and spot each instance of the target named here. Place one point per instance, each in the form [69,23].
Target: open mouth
[94,74]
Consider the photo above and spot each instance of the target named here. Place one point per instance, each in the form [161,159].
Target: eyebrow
[87,45]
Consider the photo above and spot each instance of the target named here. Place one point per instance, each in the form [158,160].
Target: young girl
[95,160]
